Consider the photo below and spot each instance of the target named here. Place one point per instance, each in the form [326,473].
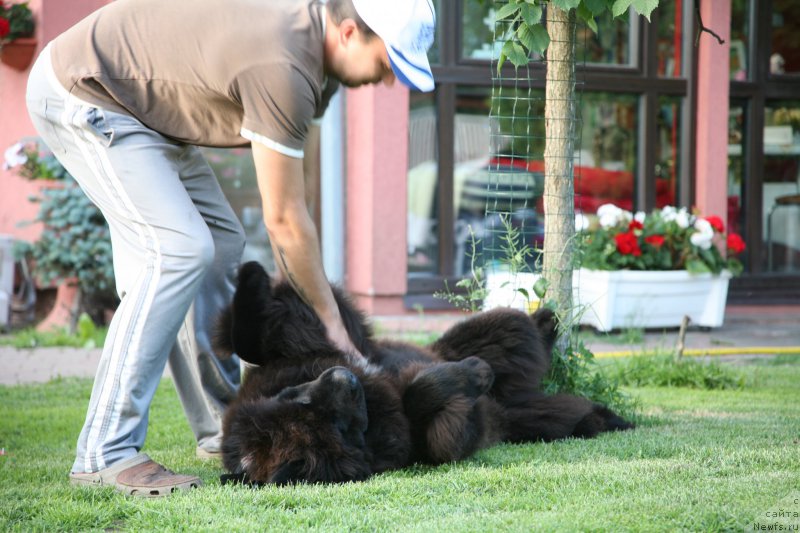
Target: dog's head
[312,432]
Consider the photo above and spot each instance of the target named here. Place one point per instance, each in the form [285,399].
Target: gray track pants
[176,244]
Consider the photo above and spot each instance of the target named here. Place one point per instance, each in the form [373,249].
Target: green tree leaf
[515,53]
[620,7]
[539,38]
[565,5]
[507,10]
[644,7]
[586,15]
[540,287]
[597,7]
[531,14]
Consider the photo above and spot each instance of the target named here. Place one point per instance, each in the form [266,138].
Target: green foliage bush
[75,242]
[86,335]
[576,372]
[664,370]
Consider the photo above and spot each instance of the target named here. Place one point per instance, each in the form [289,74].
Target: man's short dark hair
[344,9]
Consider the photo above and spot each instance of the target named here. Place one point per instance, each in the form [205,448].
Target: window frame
[641,78]
[756,92]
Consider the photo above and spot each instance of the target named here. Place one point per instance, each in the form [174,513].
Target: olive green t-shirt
[206,72]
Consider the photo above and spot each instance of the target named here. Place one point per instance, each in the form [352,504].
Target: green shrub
[74,243]
[86,335]
[576,372]
[664,370]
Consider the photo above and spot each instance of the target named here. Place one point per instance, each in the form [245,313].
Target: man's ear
[347,31]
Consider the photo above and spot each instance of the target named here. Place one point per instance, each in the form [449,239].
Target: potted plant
[32,163]
[652,270]
[17,45]
[73,251]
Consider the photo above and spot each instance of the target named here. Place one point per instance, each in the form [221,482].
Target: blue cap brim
[414,72]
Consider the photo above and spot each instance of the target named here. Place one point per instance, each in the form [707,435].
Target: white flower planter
[502,290]
[649,299]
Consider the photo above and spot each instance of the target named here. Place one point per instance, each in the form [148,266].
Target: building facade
[667,118]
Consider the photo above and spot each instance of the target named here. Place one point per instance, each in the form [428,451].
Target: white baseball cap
[407,28]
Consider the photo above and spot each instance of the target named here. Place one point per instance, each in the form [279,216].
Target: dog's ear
[253,281]
[253,295]
[239,327]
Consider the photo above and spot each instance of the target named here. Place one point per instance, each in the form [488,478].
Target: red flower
[735,243]
[5,27]
[635,224]
[627,244]
[716,223]
[655,240]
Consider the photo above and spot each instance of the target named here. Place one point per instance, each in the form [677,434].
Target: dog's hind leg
[518,347]
[546,418]
[442,405]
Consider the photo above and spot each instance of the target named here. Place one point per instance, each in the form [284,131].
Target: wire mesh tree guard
[530,204]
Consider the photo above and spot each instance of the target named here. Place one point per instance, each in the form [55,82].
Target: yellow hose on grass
[700,352]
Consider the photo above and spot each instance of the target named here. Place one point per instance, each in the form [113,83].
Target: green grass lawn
[701,460]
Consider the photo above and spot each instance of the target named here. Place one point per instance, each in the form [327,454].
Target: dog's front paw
[480,375]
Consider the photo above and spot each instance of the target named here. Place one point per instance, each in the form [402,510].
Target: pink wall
[52,18]
[377,164]
[713,83]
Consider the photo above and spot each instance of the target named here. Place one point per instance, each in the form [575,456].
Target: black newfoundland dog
[309,412]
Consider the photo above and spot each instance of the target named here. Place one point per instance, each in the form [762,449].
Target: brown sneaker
[202,453]
[138,476]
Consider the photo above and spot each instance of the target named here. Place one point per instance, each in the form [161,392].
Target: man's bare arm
[294,238]
[311,170]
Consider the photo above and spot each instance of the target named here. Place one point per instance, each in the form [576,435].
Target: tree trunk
[559,191]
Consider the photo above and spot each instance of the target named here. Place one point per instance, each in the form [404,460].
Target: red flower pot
[19,53]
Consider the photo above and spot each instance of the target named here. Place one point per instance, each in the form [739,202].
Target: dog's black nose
[344,377]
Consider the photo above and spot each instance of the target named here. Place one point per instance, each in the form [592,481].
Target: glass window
[606,168]
[611,45]
[477,30]
[423,184]
[433,53]
[736,176]
[781,186]
[236,173]
[498,177]
[785,52]
[670,40]
[668,143]
[740,43]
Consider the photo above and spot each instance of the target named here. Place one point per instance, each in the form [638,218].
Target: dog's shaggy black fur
[308,412]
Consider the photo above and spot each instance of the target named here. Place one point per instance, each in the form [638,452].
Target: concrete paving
[747,331]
